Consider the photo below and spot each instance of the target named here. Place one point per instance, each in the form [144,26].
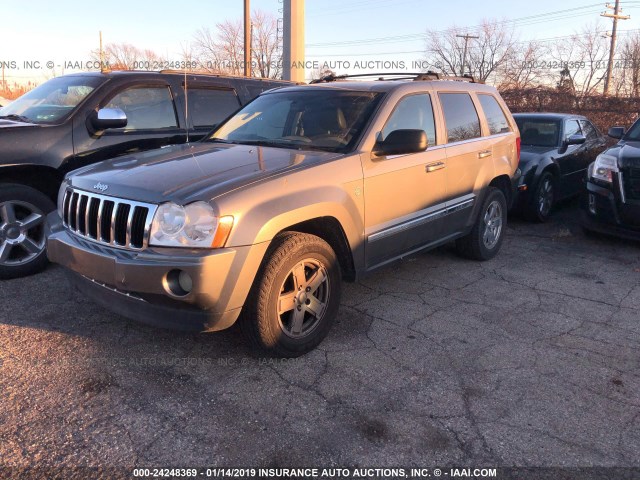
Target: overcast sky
[66,30]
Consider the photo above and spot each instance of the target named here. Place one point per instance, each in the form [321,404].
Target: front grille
[631,183]
[108,220]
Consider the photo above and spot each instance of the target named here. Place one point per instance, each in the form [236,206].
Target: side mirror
[616,132]
[576,139]
[109,118]
[400,142]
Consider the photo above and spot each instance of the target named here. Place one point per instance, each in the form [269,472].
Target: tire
[480,244]
[278,316]
[542,198]
[23,212]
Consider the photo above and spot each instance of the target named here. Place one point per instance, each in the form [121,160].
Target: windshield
[51,101]
[634,132]
[538,133]
[311,119]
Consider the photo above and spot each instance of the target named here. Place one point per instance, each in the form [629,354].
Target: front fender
[333,189]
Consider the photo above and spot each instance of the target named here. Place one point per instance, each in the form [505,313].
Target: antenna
[186,103]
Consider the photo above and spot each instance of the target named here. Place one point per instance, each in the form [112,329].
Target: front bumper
[604,212]
[135,284]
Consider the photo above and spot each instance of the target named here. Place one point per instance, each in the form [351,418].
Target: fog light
[592,203]
[178,283]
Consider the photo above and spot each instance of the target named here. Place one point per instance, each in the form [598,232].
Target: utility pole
[293,67]
[102,67]
[466,37]
[247,39]
[615,16]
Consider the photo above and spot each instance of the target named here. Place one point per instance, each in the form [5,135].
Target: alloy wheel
[22,236]
[545,197]
[303,298]
[492,225]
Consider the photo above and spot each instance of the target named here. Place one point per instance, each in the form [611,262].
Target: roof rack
[219,75]
[424,76]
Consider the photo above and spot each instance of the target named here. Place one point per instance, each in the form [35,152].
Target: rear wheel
[22,237]
[486,236]
[295,298]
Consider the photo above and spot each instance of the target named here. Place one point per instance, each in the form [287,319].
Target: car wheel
[22,236]
[295,297]
[543,198]
[487,234]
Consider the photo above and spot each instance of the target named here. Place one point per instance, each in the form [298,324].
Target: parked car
[75,120]
[300,188]
[556,151]
[611,201]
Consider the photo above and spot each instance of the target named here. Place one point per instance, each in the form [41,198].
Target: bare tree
[627,72]
[485,55]
[267,57]
[583,57]
[524,68]
[222,50]
[124,56]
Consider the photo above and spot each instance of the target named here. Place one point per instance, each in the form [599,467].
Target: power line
[566,13]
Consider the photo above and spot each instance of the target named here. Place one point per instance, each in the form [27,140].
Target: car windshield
[538,133]
[310,119]
[634,132]
[51,101]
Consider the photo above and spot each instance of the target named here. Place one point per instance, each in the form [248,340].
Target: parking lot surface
[531,359]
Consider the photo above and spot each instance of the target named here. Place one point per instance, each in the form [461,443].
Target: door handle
[484,154]
[432,167]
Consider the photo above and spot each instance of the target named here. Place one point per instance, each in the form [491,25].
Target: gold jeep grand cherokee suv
[302,188]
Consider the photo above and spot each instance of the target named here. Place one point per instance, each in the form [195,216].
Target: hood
[529,153]
[628,154]
[190,172]
[6,123]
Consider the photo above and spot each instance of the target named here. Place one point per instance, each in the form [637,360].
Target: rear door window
[460,116]
[496,118]
[210,106]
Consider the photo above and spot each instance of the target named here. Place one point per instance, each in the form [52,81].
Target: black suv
[611,203]
[74,120]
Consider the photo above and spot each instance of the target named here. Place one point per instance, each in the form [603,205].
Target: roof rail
[399,76]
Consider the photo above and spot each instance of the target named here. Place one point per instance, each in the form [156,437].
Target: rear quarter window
[496,119]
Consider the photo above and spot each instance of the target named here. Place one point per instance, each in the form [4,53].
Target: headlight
[194,226]
[604,167]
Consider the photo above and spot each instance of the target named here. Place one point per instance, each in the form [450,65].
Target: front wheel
[487,234]
[543,198]
[295,297]
[22,237]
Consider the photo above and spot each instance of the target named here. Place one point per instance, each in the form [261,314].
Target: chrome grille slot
[140,215]
[122,215]
[92,218]
[73,208]
[82,214]
[105,221]
[108,220]
[65,207]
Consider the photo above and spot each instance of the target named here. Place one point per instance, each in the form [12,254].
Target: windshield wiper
[274,143]
[19,118]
